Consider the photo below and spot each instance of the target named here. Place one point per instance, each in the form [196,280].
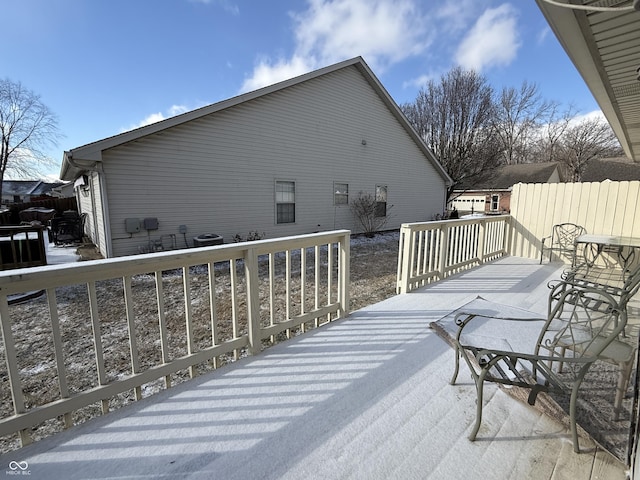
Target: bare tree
[519,114]
[455,117]
[547,147]
[27,127]
[591,138]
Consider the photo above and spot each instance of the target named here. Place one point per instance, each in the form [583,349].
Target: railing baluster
[303,284]
[317,283]
[329,276]
[188,316]
[272,293]
[57,348]
[287,295]
[215,340]
[481,240]
[97,340]
[419,253]
[162,324]
[234,303]
[131,327]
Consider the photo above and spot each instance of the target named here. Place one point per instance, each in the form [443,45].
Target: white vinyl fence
[605,208]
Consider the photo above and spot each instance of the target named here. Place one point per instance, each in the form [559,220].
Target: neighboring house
[64,190]
[615,169]
[22,191]
[493,195]
[284,160]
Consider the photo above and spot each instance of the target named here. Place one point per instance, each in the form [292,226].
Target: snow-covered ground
[57,255]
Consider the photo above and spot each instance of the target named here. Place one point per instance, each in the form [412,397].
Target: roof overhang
[604,46]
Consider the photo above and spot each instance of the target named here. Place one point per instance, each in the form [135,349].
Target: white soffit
[605,48]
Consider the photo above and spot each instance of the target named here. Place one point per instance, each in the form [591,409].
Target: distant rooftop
[616,169]
[508,175]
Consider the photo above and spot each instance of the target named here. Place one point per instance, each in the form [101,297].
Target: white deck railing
[431,251]
[137,320]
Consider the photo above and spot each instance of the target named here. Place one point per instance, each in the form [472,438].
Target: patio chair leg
[479,389]
[621,387]
[456,367]
[572,417]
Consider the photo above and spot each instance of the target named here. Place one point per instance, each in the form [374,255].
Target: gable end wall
[217,174]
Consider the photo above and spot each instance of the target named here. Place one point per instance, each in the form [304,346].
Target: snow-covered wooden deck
[367,397]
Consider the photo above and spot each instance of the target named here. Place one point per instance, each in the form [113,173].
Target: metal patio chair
[622,284]
[570,340]
[561,240]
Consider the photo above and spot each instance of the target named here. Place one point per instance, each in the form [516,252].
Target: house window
[381,201]
[285,202]
[495,202]
[341,194]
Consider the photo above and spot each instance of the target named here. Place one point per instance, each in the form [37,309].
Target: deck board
[367,397]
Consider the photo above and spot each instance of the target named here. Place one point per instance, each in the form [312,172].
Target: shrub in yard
[369,214]
[252,235]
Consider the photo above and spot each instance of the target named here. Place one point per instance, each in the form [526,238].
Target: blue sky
[106,66]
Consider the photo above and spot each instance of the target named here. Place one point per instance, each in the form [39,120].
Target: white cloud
[267,73]
[542,35]
[593,115]
[224,4]
[456,14]
[383,32]
[492,41]
[157,117]
[421,81]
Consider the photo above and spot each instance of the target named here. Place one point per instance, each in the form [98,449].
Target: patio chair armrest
[533,358]
[471,314]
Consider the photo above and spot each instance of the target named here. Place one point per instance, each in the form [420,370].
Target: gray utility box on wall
[150,223]
[132,225]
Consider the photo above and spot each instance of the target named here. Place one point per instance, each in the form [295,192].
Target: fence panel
[605,208]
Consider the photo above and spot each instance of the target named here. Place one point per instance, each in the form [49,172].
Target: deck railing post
[253,301]
[407,244]
[344,274]
[482,232]
[444,250]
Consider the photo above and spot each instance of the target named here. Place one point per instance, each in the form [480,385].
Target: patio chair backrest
[561,240]
[581,320]
[565,234]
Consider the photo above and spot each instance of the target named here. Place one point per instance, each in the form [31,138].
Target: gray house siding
[217,173]
[90,202]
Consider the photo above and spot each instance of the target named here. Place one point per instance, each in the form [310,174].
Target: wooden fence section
[12,215]
[111,327]
[607,208]
[431,251]
[22,247]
